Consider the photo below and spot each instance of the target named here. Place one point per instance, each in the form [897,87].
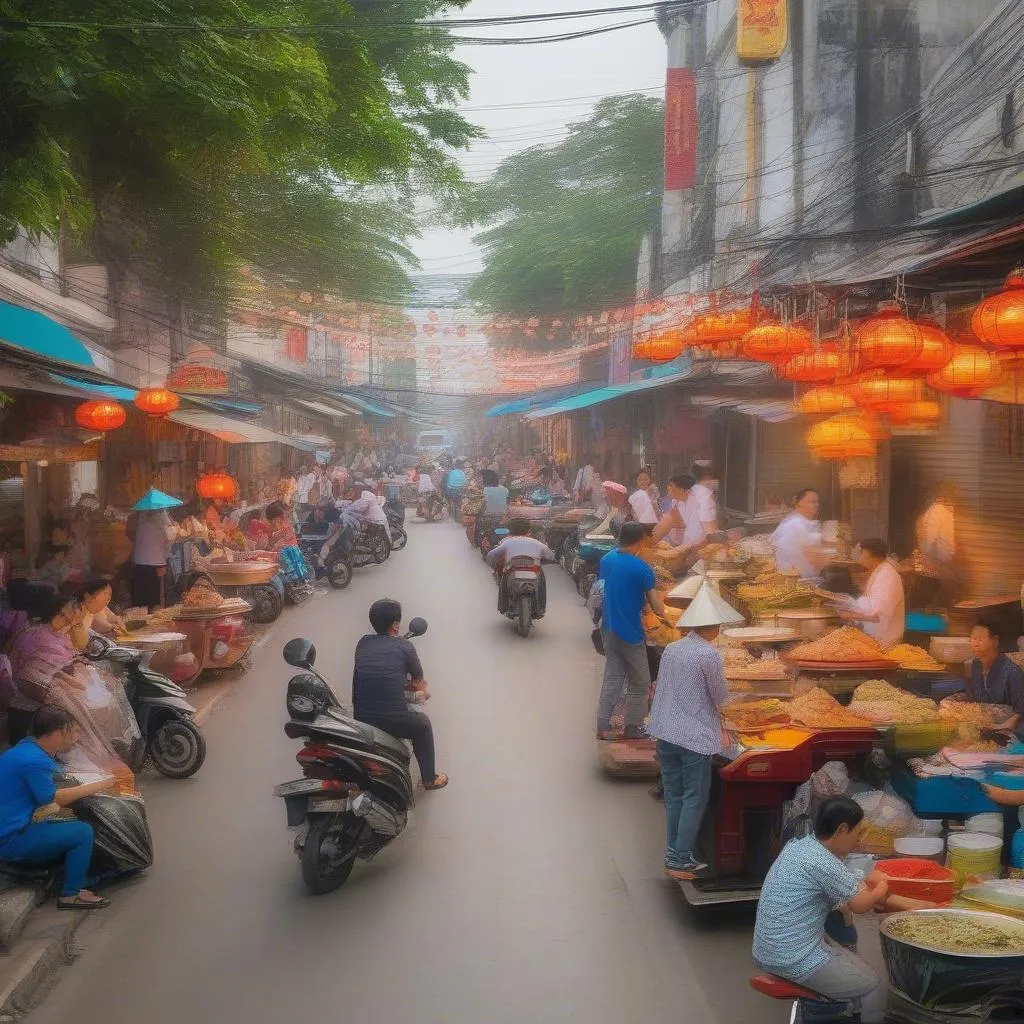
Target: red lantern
[916,414]
[842,437]
[999,319]
[970,371]
[665,347]
[888,338]
[101,414]
[815,367]
[642,349]
[157,401]
[216,485]
[776,343]
[936,350]
[883,391]
[1010,388]
[824,401]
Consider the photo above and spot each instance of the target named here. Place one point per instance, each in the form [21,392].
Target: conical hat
[709,609]
[154,500]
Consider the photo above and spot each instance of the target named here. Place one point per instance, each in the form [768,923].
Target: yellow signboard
[762,29]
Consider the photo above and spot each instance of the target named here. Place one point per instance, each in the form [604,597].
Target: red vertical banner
[680,129]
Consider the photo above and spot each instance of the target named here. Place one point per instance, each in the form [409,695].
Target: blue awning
[365,405]
[522,405]
[34,332]
[119,394]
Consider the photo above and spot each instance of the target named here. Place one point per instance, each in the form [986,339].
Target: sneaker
[687,871]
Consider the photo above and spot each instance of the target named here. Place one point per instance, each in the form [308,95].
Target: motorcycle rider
[362,502]
[455,484]
[519,544]
[427,490]
[387,669]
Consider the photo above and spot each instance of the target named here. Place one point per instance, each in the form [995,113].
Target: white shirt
[305,485]
[520,547]
[643,510]
[883,596]
[691,530]
[425,485]
[703,499]
[151,540]
[791,538]
[937,533]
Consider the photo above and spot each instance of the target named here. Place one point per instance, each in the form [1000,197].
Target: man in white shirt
[704,513]
[304,484]
[640,502]
[680,522]
[519,544]
[881,609]
[365,504]
[797,535]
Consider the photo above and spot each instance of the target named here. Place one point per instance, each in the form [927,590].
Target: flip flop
[437,783]
[76,903]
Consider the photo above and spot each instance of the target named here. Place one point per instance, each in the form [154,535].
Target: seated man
[28,795]
[362,502]
[519,544]
[386,667]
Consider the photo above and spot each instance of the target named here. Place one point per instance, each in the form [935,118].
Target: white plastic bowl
[990,823]
[927,847]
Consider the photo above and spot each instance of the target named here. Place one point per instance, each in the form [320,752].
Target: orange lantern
[842,437]
[1010,388]
[936,350]
[999,319]
[642,349]
[814,367]
[970,370]
[888,338]
[157,401]
[665,347]
[824,401]
[101,414]
[882,391]
[216,485]
[925,413]
[776,343]
[717,328]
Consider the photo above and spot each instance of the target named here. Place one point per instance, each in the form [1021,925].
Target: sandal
[440,781]
[77,903]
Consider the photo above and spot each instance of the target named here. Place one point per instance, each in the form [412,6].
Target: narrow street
[529,889]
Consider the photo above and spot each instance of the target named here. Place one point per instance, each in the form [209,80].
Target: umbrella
[154,500]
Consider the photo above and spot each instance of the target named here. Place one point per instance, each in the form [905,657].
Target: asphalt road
[529,889]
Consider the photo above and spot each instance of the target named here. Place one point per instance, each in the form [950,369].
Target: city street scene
[511,510]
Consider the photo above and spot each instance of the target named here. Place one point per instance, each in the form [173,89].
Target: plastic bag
[887,818]
[122,844]
[831,779]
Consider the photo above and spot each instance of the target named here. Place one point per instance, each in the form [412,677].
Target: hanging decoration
[762,28]
[926,413]
[196,379]
[824,401]
[776,343]
[818,366]
[970,371]
[100,414]
[157,401]
[842,437]
[888,339]
[217,485]
[1009,390]
[999,319]
[642,348]
[936,349]
[882,391]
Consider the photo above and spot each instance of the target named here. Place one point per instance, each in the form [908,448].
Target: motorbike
[394,509]
[356,788]
[432,507]
[164,716]
[519,592]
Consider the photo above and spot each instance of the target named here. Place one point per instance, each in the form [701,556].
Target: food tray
[231,606]
[878,665]
[150,640]
[761,634]
[242,574]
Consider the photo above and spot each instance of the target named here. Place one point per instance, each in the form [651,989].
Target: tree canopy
[569,218]
[191,137]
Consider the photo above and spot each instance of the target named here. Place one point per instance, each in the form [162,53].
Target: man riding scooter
[519,544]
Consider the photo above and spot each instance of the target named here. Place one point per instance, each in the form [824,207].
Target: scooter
[335,567]
[432,507]
[519,592]
[164,715]
[356,788]
[395,511]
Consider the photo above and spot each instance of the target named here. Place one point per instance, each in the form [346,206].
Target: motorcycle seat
[392,744]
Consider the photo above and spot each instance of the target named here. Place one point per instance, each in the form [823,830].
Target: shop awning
[36,333]
[523,404]
[364,404]
[232,431]
[331,412]
[87,387]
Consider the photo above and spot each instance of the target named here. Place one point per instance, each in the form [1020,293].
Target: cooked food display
[774,590]
[203,596]
[960,933]
[750,715]
[845,644]
[820,710]
[759,671]
[886,704]
[982,716]
[916,659]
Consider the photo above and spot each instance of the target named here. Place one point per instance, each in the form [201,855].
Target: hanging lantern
[999,319]
[665,347]
[936,349]
[642,349]
[216,485]
[101,414]
[824,401]
[926,413]
[157,401]
[776,343]
[888,338]
[1010,388]
[882,391]
[970,370]
[842,437]
[815,367]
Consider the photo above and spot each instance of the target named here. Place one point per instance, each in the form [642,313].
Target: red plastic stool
[779,988]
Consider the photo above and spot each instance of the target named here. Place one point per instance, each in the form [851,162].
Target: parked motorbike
[394,509]
[432,507]
[335,567]
[519,592]
[164,715]
[356,788]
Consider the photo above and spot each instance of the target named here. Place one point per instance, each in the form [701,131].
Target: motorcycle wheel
[329,854]
[399,538]
[525,618]
[380,548]
[585,584]
[178,749]
[266,602]
[339,574]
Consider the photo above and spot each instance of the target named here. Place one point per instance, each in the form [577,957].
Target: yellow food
[839,645]
[774,590]
[914,658]
[749,715]
[983,716]
[820,710]
[766,670]
[887,704]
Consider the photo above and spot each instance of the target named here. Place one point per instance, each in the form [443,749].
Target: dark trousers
[18,724]
[415,726]
[146,586]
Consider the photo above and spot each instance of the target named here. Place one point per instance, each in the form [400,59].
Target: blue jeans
[686,777]
[46,842]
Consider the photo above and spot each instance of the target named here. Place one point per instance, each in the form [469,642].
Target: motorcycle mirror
[300,653]
[417,627]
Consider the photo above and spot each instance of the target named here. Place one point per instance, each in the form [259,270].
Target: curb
[32,969]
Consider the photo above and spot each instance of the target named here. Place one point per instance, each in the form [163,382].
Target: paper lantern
[1010,388]
[999,319]
[970,370]
[665,347]
[888,338]
[926,413]
[824,401]
[842,437]
[716,328]
[157,401]
[936,350]
[882,391]
[776,343]
[101,414]
[815,367]
[642,349]
[216,485]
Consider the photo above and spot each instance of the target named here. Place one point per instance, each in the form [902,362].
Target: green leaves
[192,137]
[569,219]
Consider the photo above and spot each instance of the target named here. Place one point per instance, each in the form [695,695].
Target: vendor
[616,506]
[882,607]
[149,558]
[704,511]
[994,678]
[640,500]
[798,535]
[680,525]
[94,601]
[282,533]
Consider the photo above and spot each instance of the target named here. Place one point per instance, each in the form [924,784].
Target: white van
[433,442]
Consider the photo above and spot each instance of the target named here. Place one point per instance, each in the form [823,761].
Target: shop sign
[762,29]
[680,129]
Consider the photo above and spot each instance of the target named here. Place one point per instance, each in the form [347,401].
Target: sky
[526,95]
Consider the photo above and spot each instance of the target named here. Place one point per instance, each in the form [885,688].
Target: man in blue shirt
[628,583]
[28,795]
[455,484]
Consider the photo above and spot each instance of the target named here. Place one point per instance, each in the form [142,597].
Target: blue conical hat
[154,500]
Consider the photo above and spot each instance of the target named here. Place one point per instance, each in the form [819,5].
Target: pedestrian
[687,727]
[640,500]
[628,583]
[151,549]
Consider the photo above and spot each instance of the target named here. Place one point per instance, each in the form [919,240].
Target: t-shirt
[520,547]
[456,480]
[883,596]
[383,667]
[643,510]
[151,543]
[626,582]
[425,485]
[791,539]
[495,500]
[1004,684]
[804,885]
[26,783]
